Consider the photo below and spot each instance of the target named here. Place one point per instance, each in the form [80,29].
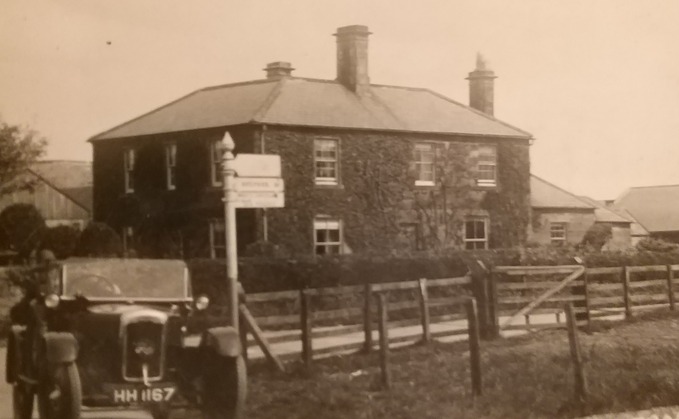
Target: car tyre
[22,400]
[60,396]
[225,383]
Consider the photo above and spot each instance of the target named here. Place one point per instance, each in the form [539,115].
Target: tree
[598,235]
[21,228]
[99,240]
[19,147]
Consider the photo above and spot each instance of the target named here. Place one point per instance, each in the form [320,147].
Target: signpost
[250,181]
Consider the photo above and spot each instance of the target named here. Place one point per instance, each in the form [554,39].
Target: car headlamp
[52,300]
[202,302]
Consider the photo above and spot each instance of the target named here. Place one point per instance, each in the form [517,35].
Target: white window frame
[473,241]
[558,235]
[327,224]
[216,176]
[334,161]
[129,161]
[171,166]
[217,228]
[486,163]
[420,151]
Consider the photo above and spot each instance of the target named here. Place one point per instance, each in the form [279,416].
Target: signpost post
[230,226]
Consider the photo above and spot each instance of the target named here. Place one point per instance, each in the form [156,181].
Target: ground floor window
[327,236]
[476,234]
[217,239]
[557,233]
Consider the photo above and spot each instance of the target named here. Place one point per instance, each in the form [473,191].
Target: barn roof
[547,195]
[654,207]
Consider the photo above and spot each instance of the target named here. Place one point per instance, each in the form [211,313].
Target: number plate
[133,395]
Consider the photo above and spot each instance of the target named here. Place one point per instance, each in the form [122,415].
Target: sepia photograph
[304,209]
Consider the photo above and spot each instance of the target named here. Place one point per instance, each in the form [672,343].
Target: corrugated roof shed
[315,103]
[655,207]
[546,195]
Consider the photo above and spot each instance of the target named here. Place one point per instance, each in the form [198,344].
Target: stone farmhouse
[367,167]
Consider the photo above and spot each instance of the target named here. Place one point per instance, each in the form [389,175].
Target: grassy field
[629,366]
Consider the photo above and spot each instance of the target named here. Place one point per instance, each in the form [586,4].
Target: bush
[99,240]
[598,235]
[61,240]
[21,228]
[656,245]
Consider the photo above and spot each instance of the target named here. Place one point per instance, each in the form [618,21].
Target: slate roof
[547,195]
[294,101]
[72,178]
[654,207]
[603,214]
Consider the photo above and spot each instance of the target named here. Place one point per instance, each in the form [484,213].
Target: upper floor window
[216,163]
[326,162]
[217,239]
[476,234]
[486,169]
[557,233]
[171,165]
[424,156]
[129,160]
[327,236]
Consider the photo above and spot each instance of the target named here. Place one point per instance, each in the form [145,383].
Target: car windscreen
[126,279]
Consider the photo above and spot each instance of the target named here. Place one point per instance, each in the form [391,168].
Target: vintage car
[114,333]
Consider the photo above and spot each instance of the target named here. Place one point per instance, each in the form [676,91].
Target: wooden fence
[319,321]
[349,313]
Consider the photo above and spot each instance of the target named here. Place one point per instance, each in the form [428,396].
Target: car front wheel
[22,399]
[224,387]
[59,395]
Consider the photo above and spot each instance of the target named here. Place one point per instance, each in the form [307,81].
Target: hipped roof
[306,102]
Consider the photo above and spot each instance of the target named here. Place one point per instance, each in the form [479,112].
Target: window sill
[329,185]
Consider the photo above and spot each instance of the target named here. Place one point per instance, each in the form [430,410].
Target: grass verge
[629,366]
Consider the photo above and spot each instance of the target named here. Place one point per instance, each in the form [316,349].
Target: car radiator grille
[144,344]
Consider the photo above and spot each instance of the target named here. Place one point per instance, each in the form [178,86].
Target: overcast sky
[595,81]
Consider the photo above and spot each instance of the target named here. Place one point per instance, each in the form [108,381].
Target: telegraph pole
[229,174]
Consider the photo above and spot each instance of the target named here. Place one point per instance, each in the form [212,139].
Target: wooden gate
[533,297]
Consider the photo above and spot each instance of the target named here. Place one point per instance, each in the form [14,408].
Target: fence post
[625,289]
[305,326]
[384,340]
[493,312]
[479,277]
[474,346]
[424,309]
[576,356]
[670,286]
[243,329]
[367,318]
[585,279]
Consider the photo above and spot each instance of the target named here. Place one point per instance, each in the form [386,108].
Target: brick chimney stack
[278,69]
[352,57]
[481,86]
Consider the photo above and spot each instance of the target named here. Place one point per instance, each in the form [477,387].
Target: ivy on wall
[376,196]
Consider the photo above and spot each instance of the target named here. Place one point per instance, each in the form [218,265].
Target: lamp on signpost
[229,174]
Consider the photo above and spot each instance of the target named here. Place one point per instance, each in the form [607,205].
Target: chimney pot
[278,69]
[352,57]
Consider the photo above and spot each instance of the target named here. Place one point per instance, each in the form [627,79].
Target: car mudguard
[223,340]
[60,347]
